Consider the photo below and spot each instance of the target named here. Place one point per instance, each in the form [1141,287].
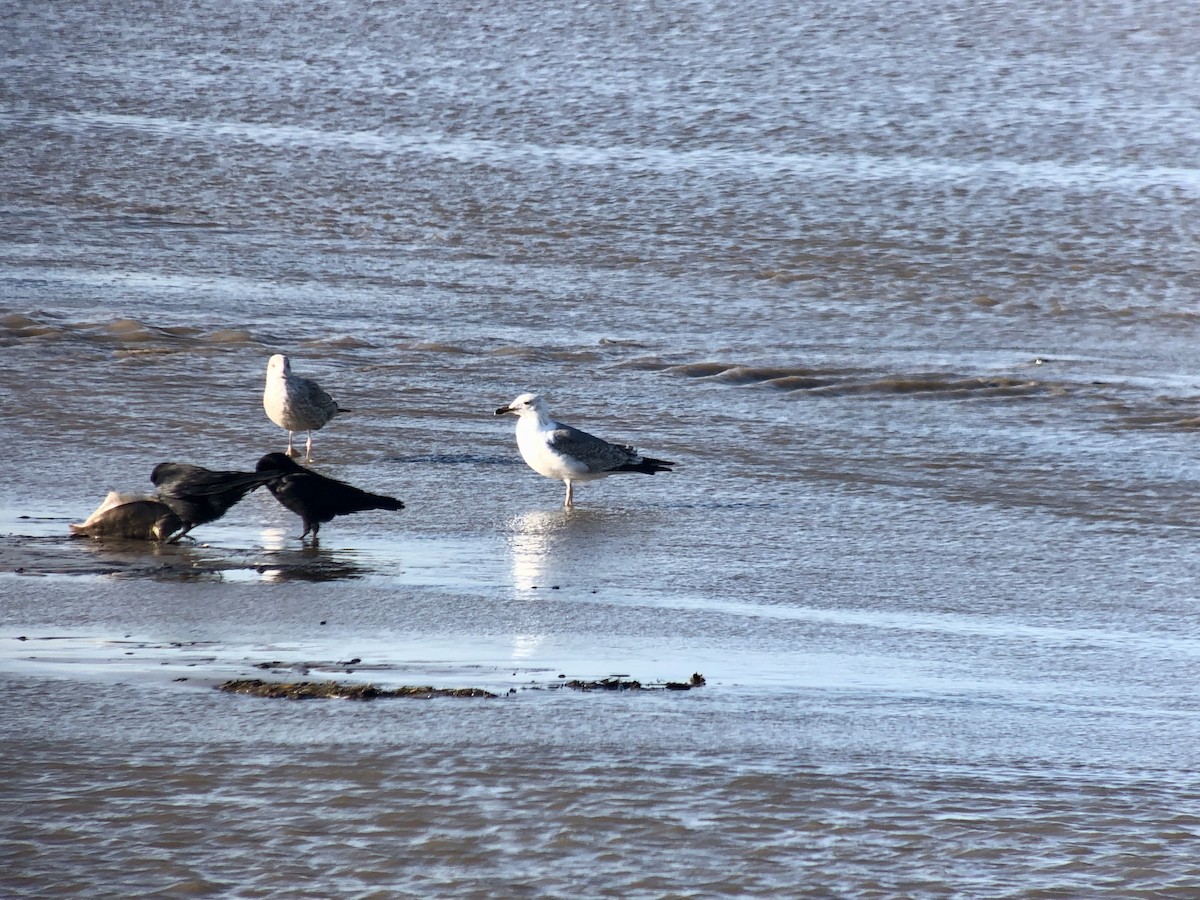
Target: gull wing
[313,395]
[588,450]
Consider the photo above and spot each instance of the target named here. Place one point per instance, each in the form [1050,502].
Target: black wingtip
[648,466]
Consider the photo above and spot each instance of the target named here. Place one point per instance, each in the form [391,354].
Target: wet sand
[188,560]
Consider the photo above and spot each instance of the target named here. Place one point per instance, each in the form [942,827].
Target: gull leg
[570,501]
[291,451]
[308,449]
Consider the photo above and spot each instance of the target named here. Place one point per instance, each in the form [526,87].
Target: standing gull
[295,403]
[562,452]
[316,498]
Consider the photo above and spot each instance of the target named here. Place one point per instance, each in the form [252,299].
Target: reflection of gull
[531,542]
[295,403]
[532,538]
[567,454]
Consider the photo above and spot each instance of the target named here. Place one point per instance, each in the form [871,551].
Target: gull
[198,495]
[295,403]
[131,517]
[314,497]
[561,452]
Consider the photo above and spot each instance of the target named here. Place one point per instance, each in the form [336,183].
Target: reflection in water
[129,558]
[551,547]
[275,539]
[133,549]
[533,538]
[279,559]
[309,564]
[536,541]
[525,646]
[285,559]
[555,548]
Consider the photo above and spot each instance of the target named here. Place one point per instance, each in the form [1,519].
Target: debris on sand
[332,690]
[615,683]
[335,690]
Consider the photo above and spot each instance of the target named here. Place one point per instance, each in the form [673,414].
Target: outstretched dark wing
[186,481]
[199,495]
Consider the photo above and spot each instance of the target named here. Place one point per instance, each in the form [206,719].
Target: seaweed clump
[332,690]
[621,683]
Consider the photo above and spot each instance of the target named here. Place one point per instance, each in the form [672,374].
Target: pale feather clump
[295,403]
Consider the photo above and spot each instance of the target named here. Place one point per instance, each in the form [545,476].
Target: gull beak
[504,409]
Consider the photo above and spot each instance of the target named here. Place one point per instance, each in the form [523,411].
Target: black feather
[314,497]
[647,466]
[198,495]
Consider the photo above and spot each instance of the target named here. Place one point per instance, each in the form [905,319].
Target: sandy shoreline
[99,654]
[235,669]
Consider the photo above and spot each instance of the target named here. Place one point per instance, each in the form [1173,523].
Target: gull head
[279,365]
[526,404]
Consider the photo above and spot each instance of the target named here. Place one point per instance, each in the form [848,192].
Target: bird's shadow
[309,563]
[290,557]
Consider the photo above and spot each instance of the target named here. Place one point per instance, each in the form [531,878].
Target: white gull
[567,454]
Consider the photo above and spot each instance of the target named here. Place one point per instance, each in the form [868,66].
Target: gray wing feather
[313,397]
[598,455]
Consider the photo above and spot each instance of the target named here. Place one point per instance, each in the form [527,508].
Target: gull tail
[647,466]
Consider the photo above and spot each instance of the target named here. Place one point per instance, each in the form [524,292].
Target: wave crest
[842,382]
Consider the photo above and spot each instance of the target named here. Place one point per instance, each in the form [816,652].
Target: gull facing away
[568,454]
[314,497]
[295,403]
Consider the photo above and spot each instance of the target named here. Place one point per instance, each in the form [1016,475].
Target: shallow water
[908,293]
